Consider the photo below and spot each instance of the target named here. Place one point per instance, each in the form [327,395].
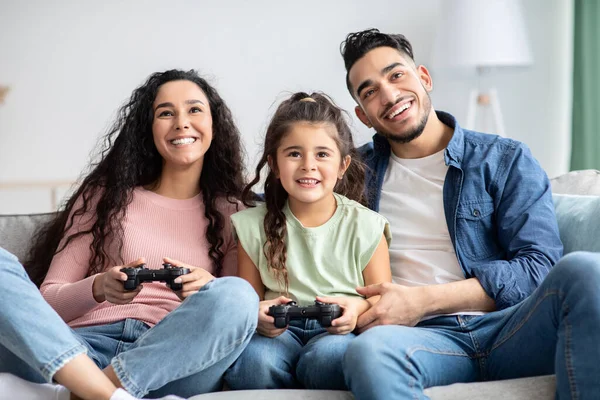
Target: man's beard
[414,133]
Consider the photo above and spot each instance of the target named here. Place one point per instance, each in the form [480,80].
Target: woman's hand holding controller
[108,285]
[192,282]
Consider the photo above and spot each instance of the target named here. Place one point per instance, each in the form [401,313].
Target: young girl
[309,240]
[169,177]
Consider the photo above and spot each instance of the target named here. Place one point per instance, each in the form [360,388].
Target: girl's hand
[109,285]
[192,282]
[351,307]
[266,323]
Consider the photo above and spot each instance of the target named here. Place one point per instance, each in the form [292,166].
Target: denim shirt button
[476,213]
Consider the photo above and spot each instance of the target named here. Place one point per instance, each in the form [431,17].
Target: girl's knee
[260,366]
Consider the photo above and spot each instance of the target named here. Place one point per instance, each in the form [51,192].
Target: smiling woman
[182,126]
[151,200]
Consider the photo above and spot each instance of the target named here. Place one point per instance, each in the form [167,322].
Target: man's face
[392,94]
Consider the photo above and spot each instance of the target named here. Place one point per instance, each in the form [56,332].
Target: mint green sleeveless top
[327,260]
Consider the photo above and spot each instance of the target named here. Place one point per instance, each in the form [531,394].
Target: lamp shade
[481,33]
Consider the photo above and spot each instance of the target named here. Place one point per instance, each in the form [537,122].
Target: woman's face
[182,124]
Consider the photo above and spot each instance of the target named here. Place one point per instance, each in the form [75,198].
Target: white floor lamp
[482,35]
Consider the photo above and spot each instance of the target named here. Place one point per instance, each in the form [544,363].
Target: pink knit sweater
[154,227]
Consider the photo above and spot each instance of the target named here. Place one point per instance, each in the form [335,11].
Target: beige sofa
[16,231]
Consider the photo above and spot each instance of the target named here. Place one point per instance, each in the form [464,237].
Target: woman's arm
[67,286]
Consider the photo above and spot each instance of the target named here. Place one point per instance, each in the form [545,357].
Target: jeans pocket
[476,229]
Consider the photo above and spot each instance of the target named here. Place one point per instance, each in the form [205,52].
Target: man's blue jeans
[186,353]
[555,330]
[305,355]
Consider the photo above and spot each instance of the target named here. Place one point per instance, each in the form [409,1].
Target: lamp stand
[482,103]
[479,101]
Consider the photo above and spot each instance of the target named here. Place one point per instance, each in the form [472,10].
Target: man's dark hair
[357,44]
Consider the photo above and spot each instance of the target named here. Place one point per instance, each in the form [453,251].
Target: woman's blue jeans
[185,354]
[555,330]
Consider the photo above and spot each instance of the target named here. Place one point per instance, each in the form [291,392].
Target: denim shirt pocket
[475,229]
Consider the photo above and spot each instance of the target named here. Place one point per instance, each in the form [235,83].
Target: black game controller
[324,313]
[139,274]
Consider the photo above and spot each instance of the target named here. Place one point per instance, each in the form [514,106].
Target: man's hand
[266,323]
[398,305]
[109,285]
[192,282]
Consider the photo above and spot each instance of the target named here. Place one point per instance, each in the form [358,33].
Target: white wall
[71,64]
[536,100]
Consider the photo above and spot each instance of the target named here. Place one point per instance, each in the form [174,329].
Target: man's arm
[526,230]
[403,305]
[453,297]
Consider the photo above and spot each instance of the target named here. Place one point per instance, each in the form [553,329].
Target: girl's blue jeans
[555,330]
[185,354]
[304,356]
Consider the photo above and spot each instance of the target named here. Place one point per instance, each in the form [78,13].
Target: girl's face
[309,162]
[182,124]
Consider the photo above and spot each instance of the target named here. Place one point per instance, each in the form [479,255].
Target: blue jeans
[185,354]
[305,355]
[555,330]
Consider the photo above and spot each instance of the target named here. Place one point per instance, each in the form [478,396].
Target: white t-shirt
[412,201]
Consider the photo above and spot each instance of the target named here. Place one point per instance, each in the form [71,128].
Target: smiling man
[479,292]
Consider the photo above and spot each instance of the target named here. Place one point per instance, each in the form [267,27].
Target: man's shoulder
[373,152]
[475,138]
[490,146]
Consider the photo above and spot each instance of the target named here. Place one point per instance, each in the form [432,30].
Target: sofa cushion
[16,232]
[537,388]
[287,394]
[578,219]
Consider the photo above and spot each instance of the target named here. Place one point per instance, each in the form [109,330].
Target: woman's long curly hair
[301,107]
[128,159]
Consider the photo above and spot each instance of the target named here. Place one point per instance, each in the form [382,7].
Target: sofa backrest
[16,231]
[584,182]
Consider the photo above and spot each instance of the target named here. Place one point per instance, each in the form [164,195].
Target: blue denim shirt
[498,207]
